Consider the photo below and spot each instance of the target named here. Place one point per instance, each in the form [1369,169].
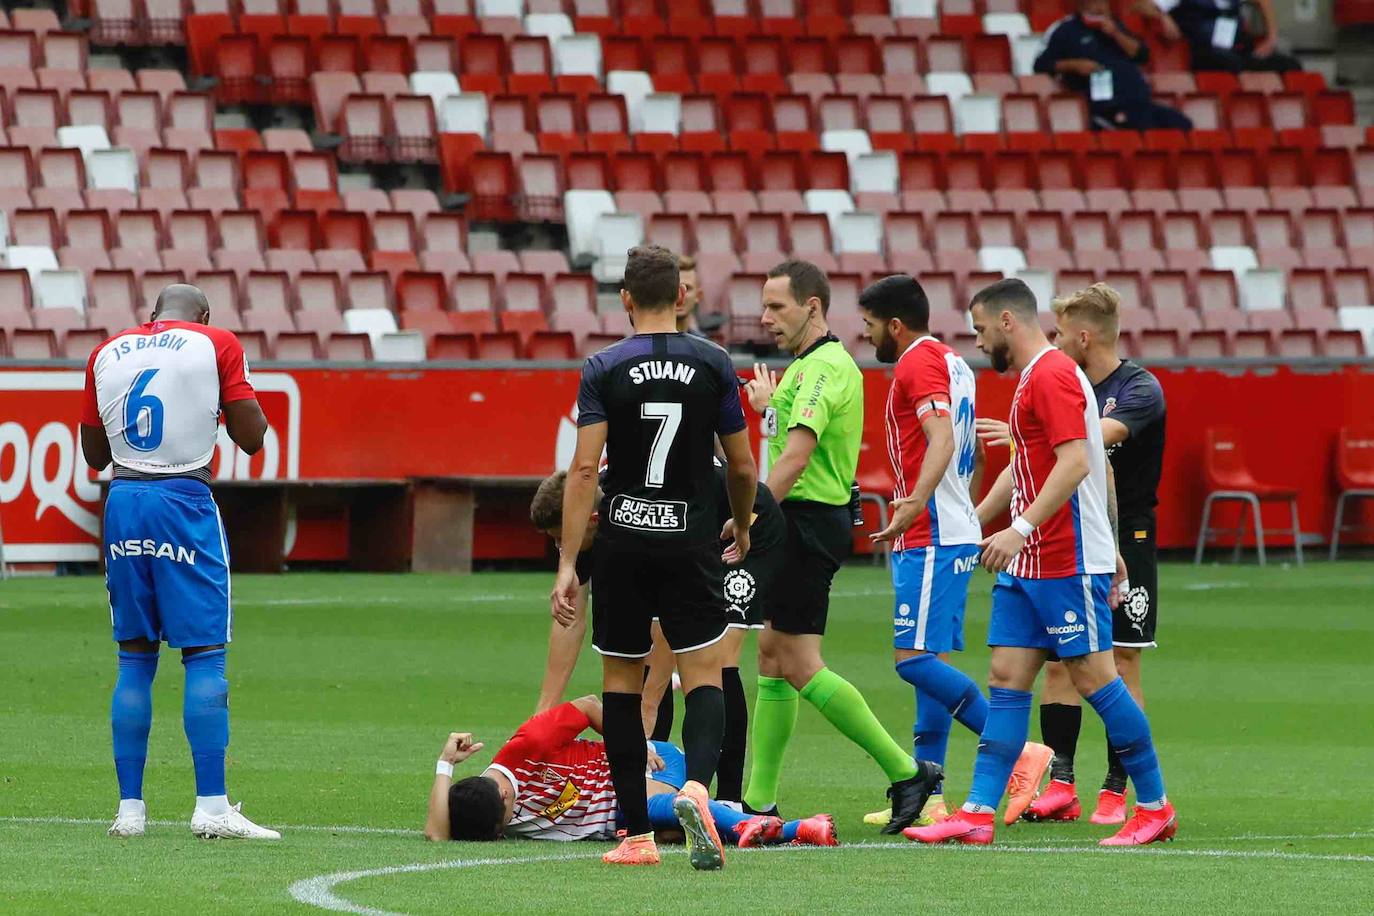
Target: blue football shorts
[167,563]
[1067,617]
[930,585]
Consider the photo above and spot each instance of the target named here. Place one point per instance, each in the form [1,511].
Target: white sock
[971,808]
[1154,805]
[213,805]
[132,806]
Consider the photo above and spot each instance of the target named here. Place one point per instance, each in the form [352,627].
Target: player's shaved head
[476,810]
[1010,295]
[651,277]
[182,302]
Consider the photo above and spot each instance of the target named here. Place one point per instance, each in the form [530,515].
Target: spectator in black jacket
[1093,53]
[1220,34]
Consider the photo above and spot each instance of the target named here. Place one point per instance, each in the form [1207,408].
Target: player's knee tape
[205,717]
[131,718]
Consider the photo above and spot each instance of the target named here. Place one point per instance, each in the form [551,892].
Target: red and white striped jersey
[930,377]
[157,390]
[562,783]
[1054,404]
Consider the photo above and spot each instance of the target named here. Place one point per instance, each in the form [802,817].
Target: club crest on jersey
[649,515]
[566,799]
[1109,406]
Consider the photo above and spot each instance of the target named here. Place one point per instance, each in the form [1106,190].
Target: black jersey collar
[817,345]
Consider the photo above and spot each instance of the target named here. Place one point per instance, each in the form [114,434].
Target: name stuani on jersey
[662,369]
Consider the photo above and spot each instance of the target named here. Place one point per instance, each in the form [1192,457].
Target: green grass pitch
[343,688]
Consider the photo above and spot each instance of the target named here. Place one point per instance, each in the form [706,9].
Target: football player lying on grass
[546,783]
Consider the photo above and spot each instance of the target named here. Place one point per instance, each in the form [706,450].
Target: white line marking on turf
[309,828]
[319,890]
[414,832]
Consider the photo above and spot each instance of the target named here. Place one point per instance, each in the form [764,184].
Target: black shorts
[1133,621]
[819,538]
[632,587]
[748,585]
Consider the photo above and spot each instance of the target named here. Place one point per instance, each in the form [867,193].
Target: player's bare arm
[1119,583]
[1071,466]
[246,424]
[579,497]
[590,706]
[939,433]
[459,747]
[95,447]
[997,432]
[565,645]
[980,466]
[998,499]
[742,480]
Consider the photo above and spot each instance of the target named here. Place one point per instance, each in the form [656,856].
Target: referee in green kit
[814,421]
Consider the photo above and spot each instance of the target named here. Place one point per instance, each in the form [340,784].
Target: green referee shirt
[822,390]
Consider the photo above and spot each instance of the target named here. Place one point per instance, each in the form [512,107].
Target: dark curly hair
[475,810]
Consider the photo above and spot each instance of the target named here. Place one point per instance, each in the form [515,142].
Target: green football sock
[842,704]
[775,715]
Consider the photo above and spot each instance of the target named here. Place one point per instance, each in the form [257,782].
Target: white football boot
[230,825]
[132,819]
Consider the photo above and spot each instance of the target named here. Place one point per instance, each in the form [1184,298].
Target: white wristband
[1022,527]
[443,768]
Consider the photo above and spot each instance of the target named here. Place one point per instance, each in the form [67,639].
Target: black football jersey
[663,398]
[1132,396]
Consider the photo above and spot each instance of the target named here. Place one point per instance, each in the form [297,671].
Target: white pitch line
[415,831]
[310,828]
[318,891]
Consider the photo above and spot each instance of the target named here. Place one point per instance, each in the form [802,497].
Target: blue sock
[131,717]
[663,817]
[1003,738]
[1129,732]
[950,687]
[930,735]
[205,716]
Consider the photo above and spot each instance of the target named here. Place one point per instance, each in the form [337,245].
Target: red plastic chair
[1229,478]
[1355,474]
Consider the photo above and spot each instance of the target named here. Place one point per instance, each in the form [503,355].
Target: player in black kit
[1131,404]
[656,403]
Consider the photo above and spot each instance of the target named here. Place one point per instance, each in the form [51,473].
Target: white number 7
[669,417]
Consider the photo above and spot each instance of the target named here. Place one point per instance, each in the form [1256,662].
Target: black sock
[628,756]
[1116,771]
[1059,726]
[703,728]
[663,725]
[730,773]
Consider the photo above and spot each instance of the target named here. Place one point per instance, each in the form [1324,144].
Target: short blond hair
[1099,305]
[686,262]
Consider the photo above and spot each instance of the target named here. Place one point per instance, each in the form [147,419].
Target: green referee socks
[775,715]
[842,704]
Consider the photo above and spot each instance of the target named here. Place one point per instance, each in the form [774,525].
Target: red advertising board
[384,423]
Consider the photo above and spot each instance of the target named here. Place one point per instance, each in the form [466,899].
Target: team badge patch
[1137,607]
[740,589]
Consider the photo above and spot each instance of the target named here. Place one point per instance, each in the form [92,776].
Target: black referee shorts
[1133,621]
[819,538]
[682,588]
